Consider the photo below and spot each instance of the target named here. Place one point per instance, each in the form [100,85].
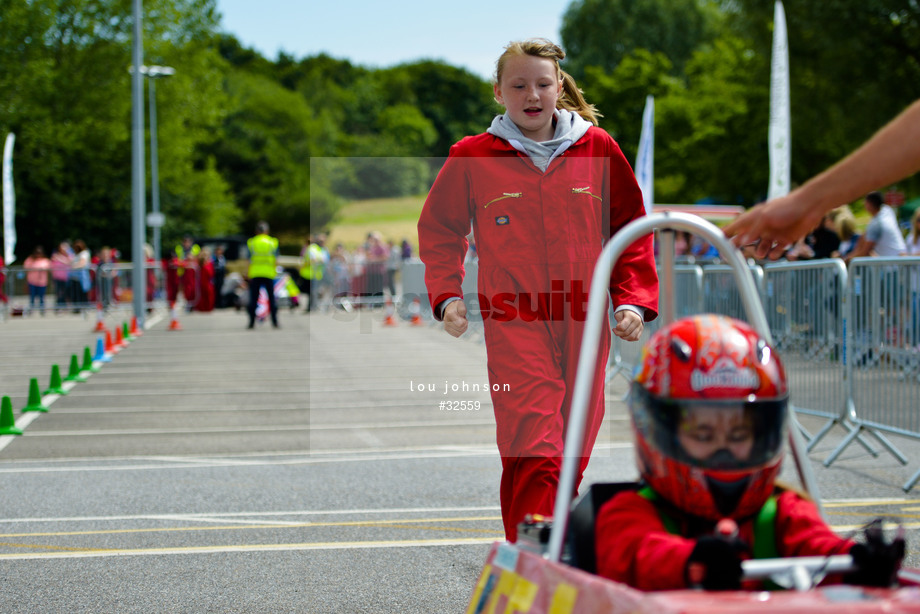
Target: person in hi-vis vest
[263,254]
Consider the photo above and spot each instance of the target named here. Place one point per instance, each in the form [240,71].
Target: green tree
[386,163]
[264,151]
[712,133]
[602,32]
[455,101]
[67,97]
[854,64]
[191,106]
[620,94]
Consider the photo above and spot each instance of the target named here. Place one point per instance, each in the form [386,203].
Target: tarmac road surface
[335,465]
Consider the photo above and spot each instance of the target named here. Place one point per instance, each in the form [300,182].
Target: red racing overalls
[538,236]
[634,546]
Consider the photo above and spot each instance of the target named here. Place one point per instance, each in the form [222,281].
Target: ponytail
[573,99]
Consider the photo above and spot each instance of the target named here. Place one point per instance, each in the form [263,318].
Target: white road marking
[355,545]
[198,464]
[269,428]
[225,516]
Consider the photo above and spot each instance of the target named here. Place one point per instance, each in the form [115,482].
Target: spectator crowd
[72,274]
[836,236]
[364,275]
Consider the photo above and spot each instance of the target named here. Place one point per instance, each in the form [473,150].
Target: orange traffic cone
[110,348]
[389,319]
[120,342]
[135,331]
[100,324]
[416,311]
[174,319]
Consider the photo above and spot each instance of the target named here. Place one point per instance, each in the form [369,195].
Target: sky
[469,33]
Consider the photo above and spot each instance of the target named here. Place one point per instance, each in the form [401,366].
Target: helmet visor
[715,434]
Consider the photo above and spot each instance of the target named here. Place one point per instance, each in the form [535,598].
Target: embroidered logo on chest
[502,220]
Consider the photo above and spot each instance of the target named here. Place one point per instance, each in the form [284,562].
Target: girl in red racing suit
[543,189]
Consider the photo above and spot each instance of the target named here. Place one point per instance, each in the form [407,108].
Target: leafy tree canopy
[243,137]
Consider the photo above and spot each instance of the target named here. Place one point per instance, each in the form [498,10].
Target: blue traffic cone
[101,356]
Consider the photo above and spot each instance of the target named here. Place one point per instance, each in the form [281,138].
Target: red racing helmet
[709,414]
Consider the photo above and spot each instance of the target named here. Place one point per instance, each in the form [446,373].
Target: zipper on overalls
[503,197]
[585,191]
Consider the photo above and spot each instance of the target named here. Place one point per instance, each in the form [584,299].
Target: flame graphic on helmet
[719,339]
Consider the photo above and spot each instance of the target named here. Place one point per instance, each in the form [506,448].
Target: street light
[155,220]
[138,278]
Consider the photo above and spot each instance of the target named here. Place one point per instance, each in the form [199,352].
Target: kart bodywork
[517,580]
[548,570]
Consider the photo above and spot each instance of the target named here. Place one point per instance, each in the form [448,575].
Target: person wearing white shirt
[882,236]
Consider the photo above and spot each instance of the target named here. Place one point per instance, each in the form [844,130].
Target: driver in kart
[709,413]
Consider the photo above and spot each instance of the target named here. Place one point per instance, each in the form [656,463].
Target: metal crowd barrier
[110,288]
[65,295]
[850,340]
[883,366]
[413,287]
[689,289]
[699,289]
[807,308]
[114,285]
[720,292]
[365,287]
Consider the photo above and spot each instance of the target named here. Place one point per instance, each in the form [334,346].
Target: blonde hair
[845,223]
[572,98]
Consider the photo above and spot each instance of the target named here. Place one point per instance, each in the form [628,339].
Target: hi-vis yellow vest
[314,254]
[180,255]
[262,250]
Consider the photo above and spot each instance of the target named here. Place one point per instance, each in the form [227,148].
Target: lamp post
[156,219]
[138,278]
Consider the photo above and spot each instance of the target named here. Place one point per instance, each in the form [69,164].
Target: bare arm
[863,247]
[893,153]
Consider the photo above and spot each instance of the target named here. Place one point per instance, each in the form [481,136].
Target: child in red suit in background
[709,414]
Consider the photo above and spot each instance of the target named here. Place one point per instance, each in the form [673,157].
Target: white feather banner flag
[645,158]
[780,135]
[9,202]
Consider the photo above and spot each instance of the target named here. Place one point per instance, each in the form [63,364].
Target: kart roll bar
[597,317]
[800,573]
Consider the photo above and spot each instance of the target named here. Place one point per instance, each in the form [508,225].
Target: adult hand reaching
[773,226]
[892,154]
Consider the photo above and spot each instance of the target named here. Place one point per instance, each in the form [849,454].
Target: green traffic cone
[73,374]
[35,398]
[88,366]
[7,421]
[125,333]
[57,386]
